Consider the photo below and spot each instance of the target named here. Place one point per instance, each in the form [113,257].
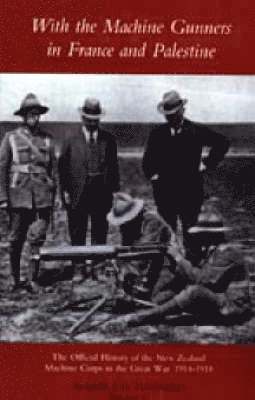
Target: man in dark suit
[173,162]
[88,170]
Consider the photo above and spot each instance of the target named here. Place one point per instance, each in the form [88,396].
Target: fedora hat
[209,223]
[124,209]
[31,102]
[171,103]
[92,109]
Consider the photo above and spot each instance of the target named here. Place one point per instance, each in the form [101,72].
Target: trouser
[31,224]
[217,282]
[95,202]
[199,300]
[175,202]
[194,299]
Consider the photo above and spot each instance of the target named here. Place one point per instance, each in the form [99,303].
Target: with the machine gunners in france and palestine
[161,48]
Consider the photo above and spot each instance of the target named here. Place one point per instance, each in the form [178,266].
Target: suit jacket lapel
[186,128]
[102,146]
[82,150]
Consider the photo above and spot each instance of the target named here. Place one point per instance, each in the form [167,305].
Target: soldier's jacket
[166,281]
[27,179]
[232,296]
[154,231]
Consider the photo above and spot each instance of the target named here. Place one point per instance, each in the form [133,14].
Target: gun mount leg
[92,311]
[34,265]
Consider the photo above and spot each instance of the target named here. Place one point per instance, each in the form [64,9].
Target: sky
[132,98]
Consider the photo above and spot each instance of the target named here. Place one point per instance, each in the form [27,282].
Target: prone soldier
[177,286]
[27,186]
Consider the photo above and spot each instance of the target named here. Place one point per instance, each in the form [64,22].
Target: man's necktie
[91,138]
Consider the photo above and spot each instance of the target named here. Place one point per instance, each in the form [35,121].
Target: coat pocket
[49,181]
[23,154]
[43,181]
[17,180]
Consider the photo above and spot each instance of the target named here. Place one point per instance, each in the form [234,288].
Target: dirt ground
[50,315]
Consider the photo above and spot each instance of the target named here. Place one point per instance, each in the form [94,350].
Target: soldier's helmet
[209,229]
[30,102]
[125,209]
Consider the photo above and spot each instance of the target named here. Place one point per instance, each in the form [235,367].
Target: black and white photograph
[127,208]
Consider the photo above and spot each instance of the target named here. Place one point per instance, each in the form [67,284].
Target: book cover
[127,56]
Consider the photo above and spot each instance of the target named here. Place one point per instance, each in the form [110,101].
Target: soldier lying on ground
[204,290]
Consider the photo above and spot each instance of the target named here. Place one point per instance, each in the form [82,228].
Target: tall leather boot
[34,262]
[34,265]
[15,255]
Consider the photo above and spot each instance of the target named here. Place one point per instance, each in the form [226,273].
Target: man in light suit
[89,175]
[173,162]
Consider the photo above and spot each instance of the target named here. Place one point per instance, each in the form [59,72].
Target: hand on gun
[202,166]
[66,199]
[174,253]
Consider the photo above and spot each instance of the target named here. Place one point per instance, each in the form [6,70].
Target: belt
[28,169]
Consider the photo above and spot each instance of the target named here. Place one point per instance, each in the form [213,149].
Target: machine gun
[110,255]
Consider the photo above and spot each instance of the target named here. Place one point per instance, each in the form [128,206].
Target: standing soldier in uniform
[27,186]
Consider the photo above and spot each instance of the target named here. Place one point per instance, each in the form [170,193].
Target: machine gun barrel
[138,255]
[76,252]
[100,252]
